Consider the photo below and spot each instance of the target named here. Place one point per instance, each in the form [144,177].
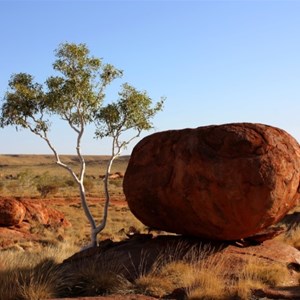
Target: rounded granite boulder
[221,182]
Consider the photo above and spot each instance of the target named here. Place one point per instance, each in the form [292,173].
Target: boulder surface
[12,212]
[223,182]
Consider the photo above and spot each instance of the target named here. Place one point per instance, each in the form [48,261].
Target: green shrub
[88,184]
[69,182]
[118,183]
[46,189]
[46,184]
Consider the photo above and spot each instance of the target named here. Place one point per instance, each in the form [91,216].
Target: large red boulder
[12,212]
[221,182]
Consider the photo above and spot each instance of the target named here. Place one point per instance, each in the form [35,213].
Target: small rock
[12,212]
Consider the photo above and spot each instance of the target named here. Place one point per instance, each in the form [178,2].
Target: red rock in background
[40,212]
[12,212]
[221,182]
[32,212]
[36,211]
[57,218]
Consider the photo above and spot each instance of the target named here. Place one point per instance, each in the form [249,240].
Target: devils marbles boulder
[12,212]
[221,182]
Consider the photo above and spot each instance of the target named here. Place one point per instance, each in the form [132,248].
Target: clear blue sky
[215,61]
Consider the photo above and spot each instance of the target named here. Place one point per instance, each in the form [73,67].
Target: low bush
[45,189]
[88,184]
[69,182]
[47,184]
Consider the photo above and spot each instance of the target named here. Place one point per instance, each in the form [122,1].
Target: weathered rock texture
[219,182]
[18,217]
[140,254]
[38,211]
[12,212]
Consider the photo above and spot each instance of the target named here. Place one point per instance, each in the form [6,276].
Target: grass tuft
[29,275]
[94,278]
[44,281]
[198,272]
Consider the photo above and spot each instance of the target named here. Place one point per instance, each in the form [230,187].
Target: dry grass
[21,175]
[199,274]
[34,275]
[292,237]
[208,280]
[255,275]
[37,275]
[38,176]
[274,274]
[15,258]
[36,283]
[93,278]
[119,220]
[202,274]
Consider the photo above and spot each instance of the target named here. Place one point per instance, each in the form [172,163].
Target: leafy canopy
[76,95]
[131,111]
[24,105]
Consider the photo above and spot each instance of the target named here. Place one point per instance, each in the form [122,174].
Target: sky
[215,62]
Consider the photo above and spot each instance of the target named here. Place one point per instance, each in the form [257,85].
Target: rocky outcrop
[12,212]
[141,253]
[35,211]
[18,217]
[221,182]
[129,253]
[39,212]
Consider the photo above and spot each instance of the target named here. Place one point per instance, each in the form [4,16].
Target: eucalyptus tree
[131,114]
[75,96]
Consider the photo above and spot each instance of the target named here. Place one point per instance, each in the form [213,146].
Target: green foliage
[78,93]
[76,96]
[46,184]
[24,104]
[25,179]
[70,182]
[47,189]
[132,111]
[118,183]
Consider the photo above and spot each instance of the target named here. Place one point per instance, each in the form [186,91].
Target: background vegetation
[26,175]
